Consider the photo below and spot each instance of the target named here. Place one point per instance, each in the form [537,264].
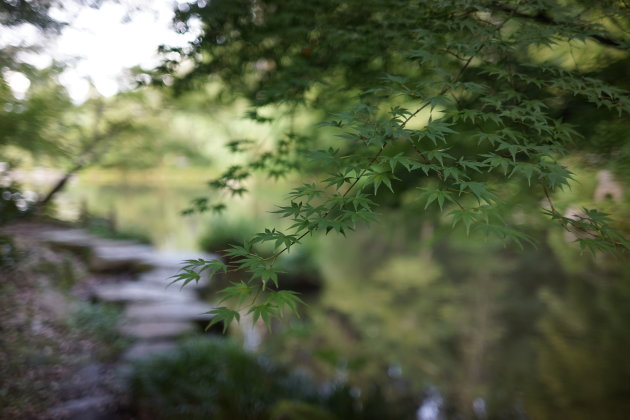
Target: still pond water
[150,204]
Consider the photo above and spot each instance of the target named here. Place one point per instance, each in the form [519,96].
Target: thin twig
[553,209]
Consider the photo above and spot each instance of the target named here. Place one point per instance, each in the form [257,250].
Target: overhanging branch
[545,19]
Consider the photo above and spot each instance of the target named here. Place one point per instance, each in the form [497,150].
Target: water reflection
[149,206]
[479,408]
[431,406]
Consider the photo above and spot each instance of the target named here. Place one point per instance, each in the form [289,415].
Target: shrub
[100,322]
[215,378]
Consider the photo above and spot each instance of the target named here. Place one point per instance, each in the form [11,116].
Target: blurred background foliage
[404,315]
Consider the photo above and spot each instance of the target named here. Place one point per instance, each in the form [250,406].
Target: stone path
[155,315]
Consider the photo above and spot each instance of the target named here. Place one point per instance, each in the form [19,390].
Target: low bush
[100,322]
[214,378]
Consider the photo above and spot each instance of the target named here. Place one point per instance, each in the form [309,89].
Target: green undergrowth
[100,322]
[216,378]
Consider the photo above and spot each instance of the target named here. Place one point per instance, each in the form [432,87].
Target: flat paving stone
[163,276]
[98,241]
[72,239]
[157,330]
[120,257]
[98,407]
[66,235]
[168,311]
[143,350]
[132,291]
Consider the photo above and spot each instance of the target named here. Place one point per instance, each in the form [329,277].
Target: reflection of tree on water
[485,324]
[583,348]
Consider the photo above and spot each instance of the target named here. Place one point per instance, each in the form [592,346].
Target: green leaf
[288,299]
[378,178]
[264,311]
[479,190]
[466,216]
[238,291]
[507,234]
[439,155]
[437,195]
[186,276]
[222,314]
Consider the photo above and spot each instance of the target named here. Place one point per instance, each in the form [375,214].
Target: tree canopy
[465,104]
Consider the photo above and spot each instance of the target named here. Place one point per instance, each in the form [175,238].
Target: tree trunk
[59,185]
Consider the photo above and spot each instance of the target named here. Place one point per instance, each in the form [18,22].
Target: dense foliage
[471,104]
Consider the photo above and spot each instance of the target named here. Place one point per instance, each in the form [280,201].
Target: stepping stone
[100,407]
[66,236]
[168,311]
[76,240]
[144,350]
[132,291]
[112,257]
[98,242]
[157,330]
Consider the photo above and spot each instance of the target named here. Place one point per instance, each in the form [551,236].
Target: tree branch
[546,19]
